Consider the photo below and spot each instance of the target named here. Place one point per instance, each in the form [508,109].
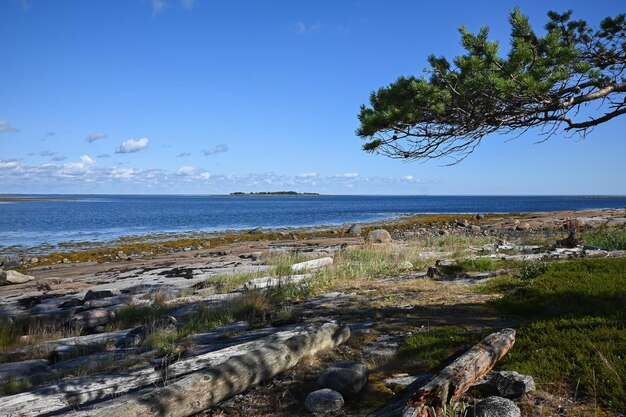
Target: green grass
[608,239]
[577,332]
[575,335]
[429,349]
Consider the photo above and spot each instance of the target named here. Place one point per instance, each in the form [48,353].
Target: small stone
[378,236]
[97,294]
[443,232]
[99,329]
[323,402]
[480,216]
[347,377]
[462,223]
[66,261]
[496,407]
[406,265]
[355,230]
[475,229]
[34,260]
[523,226]
[14,277]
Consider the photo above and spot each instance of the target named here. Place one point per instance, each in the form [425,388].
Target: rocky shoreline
[104,331]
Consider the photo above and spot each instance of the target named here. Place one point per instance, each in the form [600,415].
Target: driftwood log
[74,393]
[425,400]
[205,388]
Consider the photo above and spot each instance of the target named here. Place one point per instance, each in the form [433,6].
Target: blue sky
[208,96]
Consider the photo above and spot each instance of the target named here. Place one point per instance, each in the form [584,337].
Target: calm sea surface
[106,217]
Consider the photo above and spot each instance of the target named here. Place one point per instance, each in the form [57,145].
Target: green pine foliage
[538,83]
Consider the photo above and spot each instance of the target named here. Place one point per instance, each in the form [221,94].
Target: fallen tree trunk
[205,388]
[452,381]
[73,393]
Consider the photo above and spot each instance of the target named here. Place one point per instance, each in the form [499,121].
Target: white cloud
[216,149]
[408,178]
[96,136]
[307,175]
[5,127]
[187,170]
[205,175]
[73,168]
[131,145]
[349,175]
[123,173]
[9,164]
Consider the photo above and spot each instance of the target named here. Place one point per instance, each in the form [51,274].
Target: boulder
[323,402]
[496,407]
[346,377]
[355,230]
[378,236]
[475,229]
[523,226]
[14,277]
[480,216]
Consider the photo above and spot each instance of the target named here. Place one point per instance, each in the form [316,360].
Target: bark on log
[453,380]
[73,393]
[205,388]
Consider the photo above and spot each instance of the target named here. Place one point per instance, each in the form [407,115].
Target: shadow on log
[205,388]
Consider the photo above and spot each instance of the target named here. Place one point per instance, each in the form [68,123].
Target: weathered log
[449,384]
[312,264]
[209,386]
[71,394]
[271,282]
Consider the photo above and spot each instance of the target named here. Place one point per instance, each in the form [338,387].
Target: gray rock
[97,294]
[475,229]
[378,236]
[462,223]
[495,407]
[323,402]
[523,226]
[14,277]
[480,216]
[355,230]
[510,384]
[347,377]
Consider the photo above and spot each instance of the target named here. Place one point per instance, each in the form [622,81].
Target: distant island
[270,193]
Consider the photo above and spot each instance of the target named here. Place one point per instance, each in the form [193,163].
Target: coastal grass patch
[576,334]
[573,341]
[430,348]
[607,239]
[27,331]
